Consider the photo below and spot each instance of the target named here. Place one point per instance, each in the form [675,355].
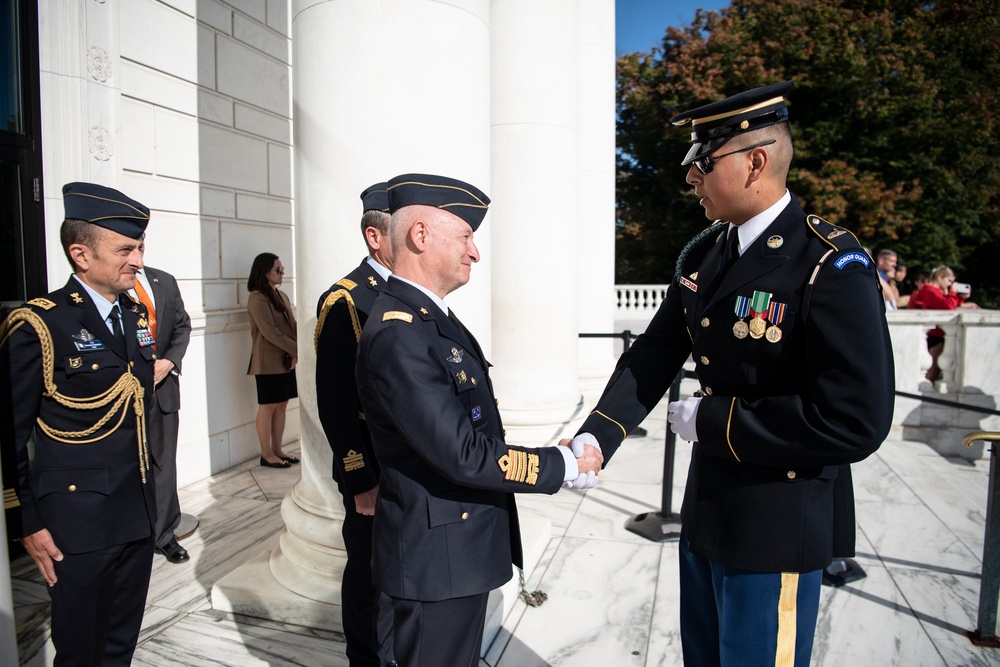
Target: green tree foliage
[894,116]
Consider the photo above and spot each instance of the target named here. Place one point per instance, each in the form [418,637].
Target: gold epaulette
[397,315]
[348,283]
[324,310]
[42,303]
[127,388]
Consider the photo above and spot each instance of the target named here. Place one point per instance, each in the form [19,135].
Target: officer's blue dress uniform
[83,397]
[341,314]
[446,526]
[788,403]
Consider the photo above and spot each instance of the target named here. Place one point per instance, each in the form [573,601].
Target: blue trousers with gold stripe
[733,617]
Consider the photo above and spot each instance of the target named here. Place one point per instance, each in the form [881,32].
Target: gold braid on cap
[333,298]
[127,388]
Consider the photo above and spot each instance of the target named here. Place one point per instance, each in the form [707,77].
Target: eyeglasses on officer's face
[704,164]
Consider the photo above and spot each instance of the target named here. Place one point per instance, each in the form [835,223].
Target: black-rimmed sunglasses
[704,164]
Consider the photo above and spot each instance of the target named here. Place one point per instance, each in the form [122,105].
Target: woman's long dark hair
[258,282]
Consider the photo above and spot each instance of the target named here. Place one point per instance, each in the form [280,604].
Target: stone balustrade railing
[970,367]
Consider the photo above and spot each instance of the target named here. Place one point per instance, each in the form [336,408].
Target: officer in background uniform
[446,529]
[340,315]
[76,374]
[782,314]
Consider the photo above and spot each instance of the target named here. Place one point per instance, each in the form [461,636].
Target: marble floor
[612,595]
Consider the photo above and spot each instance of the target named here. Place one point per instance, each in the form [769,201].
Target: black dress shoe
[280,464]
[292,460]
[174,552]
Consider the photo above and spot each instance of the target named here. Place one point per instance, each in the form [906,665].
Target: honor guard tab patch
[397,315]
[852,257]
[354,461]
[519,466]
[42,303]
[349,284]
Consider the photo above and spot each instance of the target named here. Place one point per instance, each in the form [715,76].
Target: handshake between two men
[681,415]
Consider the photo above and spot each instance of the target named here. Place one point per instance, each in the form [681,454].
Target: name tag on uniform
[88,345]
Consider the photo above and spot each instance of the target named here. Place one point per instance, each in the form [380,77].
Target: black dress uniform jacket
[445,521]
[87,491]
[341,308]
[780,422]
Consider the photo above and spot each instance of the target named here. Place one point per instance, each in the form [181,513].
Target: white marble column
[535,225]
[379,89]
[596,229]
[8,632]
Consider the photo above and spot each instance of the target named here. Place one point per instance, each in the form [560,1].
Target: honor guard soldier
[782,314]
[76,375]
[446,529]
[340,316]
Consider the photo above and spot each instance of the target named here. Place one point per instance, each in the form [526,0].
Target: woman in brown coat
[272,357]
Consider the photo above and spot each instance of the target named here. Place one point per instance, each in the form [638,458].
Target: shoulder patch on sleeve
[42,303]
[860,257]
[349,284]
[397,315]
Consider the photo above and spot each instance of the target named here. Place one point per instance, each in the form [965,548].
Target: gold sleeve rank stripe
[42,303]
[354,461]
[10,499]
[397,315]
[519,466]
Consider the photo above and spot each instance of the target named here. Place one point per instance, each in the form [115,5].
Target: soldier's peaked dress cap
[714,124]
[105,207]
[464,200]
[376,197]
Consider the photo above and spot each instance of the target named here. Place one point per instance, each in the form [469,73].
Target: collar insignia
[372,281]
[775,242]
[76,297]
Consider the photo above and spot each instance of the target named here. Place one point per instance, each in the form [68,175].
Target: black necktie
[732,250]
[116,328]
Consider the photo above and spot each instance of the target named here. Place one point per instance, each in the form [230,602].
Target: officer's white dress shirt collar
[103,305]
[755,226]
[433,297]
[379,269]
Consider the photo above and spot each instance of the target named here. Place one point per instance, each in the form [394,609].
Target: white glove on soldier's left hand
[683,418]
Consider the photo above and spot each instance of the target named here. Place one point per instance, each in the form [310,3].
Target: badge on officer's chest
[689,284]
[456,355]
[75,362]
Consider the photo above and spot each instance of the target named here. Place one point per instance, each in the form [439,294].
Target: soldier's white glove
[579,441]
[587,480]
[683,418]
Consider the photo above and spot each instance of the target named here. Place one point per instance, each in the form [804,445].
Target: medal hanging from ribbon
[759,303]
[775,315]
[740,329]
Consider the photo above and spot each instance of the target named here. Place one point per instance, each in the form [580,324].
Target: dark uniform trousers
[85,483]
[788,403]
[446,524]
[173,333]
[341,313]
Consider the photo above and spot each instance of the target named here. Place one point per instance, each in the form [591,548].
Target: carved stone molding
[102,144]
[98,64]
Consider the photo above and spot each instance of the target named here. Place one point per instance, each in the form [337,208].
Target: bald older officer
[76,373]
[446,529]
[782,314]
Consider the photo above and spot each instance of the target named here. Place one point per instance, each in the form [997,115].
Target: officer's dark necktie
[732,250]
[116,329]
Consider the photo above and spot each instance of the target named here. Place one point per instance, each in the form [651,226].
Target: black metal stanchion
[665,525]
[985,633]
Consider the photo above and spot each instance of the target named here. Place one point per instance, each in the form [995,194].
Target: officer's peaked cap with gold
[714,124]
[376,197]
[449,194]
[105,207]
